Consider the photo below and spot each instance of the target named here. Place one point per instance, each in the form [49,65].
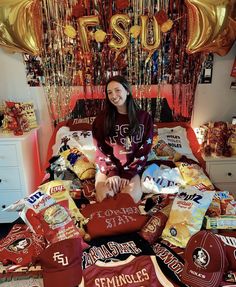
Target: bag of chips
[193,174]
[186,215]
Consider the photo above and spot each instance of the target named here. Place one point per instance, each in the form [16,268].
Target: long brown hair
[111,111]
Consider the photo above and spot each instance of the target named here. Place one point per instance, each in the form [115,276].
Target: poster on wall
[207,70]
[233,71]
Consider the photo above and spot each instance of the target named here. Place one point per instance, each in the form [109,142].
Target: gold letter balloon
[20,26]
[210,26]
[155,39]
[119,24]
[84,23]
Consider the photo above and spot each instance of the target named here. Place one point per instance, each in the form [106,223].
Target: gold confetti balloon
[135,31]
[70,31]
[100,36]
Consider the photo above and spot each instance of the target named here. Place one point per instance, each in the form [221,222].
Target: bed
[149,239]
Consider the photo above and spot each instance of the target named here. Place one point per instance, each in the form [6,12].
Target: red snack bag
[35,202]
[48,218]
[152,230]
[57,224]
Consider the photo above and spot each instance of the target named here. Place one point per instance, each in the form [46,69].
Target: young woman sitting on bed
[123,136]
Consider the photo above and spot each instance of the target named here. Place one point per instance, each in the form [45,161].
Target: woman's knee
[134,188]
[101,189]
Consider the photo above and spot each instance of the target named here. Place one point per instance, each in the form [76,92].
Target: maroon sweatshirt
[122,154]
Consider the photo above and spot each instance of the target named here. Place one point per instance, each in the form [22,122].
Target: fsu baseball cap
[205,260]
[61,263]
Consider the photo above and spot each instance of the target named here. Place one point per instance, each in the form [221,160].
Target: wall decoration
[153,43]
[207,70]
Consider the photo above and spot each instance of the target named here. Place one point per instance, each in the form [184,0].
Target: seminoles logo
[19,245]
[60,258]
[201,257]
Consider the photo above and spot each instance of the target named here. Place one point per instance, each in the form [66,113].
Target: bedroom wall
[213,102]
[216,101]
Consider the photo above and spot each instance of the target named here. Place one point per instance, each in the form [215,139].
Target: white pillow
[176,137]
[82,140]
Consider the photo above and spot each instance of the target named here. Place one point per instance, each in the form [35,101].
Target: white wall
[213,102]
[216,101]
[13,86]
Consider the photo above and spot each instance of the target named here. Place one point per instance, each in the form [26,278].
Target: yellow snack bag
[60,191]
[193,174]
[186,215]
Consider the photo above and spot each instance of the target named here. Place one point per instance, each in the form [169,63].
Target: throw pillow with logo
[112,216]
[21,246]
[186,215]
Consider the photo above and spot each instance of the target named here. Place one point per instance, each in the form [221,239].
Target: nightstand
[19,169]
[222,172]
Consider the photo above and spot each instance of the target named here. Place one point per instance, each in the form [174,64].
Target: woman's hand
[123,183]
[113,183]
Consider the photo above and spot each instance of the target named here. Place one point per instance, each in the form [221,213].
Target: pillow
[113,216]
[191,136]
[176,138]
[71,125]
[80,139]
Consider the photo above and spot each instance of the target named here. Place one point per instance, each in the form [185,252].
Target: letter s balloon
[118,24]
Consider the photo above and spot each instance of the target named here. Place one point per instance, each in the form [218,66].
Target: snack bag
[57,224]
[227,203]
[60,191]
[161,148]
[46,217]
[186,215]
[152,230]
[193,174]
[161,179]
[214,209]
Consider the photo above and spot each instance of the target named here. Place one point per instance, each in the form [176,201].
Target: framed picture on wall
[207,70]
